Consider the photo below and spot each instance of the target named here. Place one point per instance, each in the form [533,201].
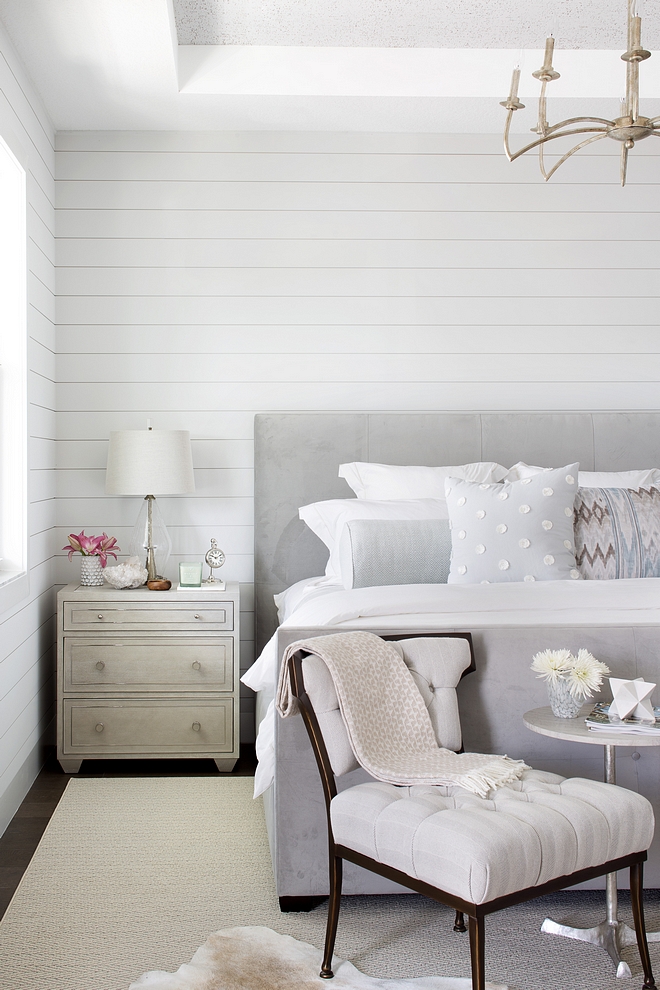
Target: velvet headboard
[297,456]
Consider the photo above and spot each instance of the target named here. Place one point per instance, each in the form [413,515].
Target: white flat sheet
[447,606]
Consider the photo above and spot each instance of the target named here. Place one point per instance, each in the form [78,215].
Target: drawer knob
[197,615]
[196,726]
[100,664]
[196,665]
[99,726]
[99,616]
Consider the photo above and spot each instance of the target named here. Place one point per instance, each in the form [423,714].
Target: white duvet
[317,602]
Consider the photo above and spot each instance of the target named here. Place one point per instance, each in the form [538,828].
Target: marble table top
[542,720]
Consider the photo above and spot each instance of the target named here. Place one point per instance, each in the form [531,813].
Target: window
[13,380]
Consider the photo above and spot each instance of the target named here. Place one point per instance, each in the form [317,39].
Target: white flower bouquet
[570,679]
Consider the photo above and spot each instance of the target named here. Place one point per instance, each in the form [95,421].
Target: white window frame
[14,563]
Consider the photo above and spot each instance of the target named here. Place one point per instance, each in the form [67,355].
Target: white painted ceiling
[366,65]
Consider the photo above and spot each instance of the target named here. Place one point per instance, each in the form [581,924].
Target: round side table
[611,934]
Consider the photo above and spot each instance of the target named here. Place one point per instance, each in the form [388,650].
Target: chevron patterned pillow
[617,532]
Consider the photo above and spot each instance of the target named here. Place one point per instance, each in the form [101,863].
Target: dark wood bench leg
[333,916]
[477,955]
[637,901]
[459,922]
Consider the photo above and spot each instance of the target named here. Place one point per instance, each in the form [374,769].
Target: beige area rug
[134,875]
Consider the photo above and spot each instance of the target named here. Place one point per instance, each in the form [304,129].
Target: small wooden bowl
[162,584]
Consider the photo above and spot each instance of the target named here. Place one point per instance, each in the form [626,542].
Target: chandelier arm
[624,164]
[601,132]
[582,144]
[580,120]
[578,130]
[542,123]
[507,126]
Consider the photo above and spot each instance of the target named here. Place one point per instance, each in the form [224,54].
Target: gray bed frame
[296,460]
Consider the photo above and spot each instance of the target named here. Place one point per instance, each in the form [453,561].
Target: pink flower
[107,548]
[92,546]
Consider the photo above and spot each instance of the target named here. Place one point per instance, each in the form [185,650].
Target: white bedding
[317,602]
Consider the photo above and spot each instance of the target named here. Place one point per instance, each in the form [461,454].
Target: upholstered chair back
[436,664]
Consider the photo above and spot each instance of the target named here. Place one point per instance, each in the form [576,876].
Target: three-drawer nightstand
[147,674]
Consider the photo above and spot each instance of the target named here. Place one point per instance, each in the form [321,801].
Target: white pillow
[521,470]
[399,481]
[593,479]
[327,519]
[515,531]
[619,479]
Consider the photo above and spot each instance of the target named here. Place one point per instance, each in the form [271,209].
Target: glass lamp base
[150,540]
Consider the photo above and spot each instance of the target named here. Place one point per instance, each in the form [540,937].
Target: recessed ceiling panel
[411,23]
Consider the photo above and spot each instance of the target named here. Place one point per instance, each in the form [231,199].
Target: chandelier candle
[515,82]
[546,73]
[627,129]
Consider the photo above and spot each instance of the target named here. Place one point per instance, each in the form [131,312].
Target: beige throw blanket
[386,719]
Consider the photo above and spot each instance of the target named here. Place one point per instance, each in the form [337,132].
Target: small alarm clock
[215,558]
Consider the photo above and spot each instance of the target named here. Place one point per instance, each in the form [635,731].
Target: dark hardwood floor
[24,832]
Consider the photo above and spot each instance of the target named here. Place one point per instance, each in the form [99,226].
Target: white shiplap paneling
[27,631]
[203,277]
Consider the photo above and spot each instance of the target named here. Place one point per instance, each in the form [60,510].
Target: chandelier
[626,129]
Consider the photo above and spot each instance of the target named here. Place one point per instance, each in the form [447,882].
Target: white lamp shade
[149,462]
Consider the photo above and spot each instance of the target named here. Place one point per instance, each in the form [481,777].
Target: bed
[296,463]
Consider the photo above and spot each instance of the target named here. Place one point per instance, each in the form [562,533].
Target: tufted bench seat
[541,833]
[523,835]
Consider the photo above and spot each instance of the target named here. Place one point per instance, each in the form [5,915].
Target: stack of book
[600,720]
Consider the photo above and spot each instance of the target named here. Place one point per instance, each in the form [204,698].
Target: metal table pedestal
[611,934]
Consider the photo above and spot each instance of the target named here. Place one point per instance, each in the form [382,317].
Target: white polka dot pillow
[514,531]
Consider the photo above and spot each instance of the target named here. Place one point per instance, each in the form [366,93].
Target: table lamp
[149,463]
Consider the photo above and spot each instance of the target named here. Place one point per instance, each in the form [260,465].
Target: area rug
[257,958]
[133,875]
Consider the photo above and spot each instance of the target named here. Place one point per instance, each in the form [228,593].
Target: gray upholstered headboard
[297,456]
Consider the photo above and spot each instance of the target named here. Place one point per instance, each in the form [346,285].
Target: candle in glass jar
[190,574]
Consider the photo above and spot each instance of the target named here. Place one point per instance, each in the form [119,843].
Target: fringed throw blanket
[386,719]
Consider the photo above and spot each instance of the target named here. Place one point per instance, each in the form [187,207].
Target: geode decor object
[130,574]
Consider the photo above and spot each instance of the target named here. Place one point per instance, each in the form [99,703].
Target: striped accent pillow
[617,533]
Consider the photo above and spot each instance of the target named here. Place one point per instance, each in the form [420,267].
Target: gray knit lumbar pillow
[377,552]
[513,531]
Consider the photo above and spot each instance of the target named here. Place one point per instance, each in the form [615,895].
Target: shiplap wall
[203,277]
[27,631]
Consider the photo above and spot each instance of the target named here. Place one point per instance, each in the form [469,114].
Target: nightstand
[147,674]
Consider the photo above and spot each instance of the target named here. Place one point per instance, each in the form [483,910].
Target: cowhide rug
[256,958]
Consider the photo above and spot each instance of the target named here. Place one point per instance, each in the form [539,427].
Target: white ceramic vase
[91,572]
[562,702]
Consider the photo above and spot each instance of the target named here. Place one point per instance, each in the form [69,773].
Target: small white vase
[91,572]
[562,702]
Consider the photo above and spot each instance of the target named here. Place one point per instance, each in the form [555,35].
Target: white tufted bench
[541,833]
[523,835]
